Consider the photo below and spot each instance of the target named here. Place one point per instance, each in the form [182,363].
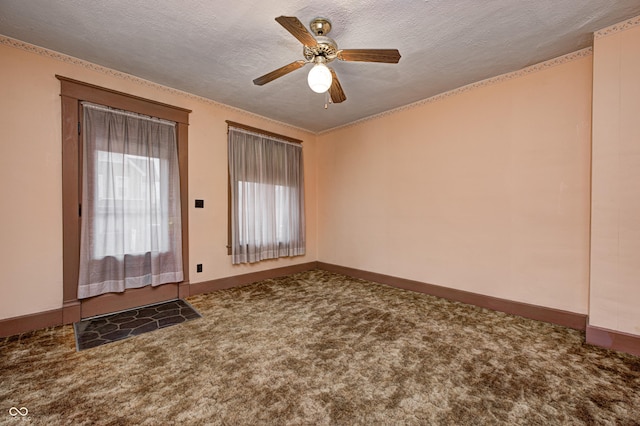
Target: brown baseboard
[616,340]
[540,313]
[244,279]
[184,290]
[30,322]
[71,312]
[594,335]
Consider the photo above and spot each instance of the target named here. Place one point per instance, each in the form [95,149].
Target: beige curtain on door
[131,225]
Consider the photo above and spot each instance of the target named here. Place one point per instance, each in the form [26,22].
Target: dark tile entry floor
[97,331]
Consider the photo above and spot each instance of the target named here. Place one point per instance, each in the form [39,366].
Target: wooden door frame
[72,92]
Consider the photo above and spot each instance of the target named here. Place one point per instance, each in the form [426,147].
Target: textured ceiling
[216,48]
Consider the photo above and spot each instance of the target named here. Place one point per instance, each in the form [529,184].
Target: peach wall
[31,168]
[615,240]
[486,190]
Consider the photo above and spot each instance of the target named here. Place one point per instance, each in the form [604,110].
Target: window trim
[72,92]
[262,132]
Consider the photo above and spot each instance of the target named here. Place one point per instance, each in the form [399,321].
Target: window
[136,180]
[266,177]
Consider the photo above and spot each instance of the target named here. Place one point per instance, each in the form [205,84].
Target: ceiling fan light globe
[319,78]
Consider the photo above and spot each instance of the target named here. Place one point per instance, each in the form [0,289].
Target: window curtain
[131,225]
[266,177]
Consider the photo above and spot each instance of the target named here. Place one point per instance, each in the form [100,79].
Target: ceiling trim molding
[616,28]
[583,53]
[52,54]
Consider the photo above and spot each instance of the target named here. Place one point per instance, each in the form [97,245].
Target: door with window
[129,248]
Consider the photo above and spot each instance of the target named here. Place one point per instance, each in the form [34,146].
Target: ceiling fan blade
[336,92]
[390,56]
[295,27]
[279,72]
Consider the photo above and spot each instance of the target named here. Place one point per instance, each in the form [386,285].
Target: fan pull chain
[327,100]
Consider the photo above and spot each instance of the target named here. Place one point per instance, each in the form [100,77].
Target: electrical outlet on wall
[199,267]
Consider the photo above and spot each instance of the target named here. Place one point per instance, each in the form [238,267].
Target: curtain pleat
[131,224]
[267,197]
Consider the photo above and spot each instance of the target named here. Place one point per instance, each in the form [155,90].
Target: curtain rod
[127,113]
[264,132]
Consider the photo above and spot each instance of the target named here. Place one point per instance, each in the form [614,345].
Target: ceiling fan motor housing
[326,47]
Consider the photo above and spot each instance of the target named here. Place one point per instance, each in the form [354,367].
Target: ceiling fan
[321,50]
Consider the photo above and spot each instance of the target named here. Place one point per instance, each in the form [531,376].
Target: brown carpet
[321,348]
